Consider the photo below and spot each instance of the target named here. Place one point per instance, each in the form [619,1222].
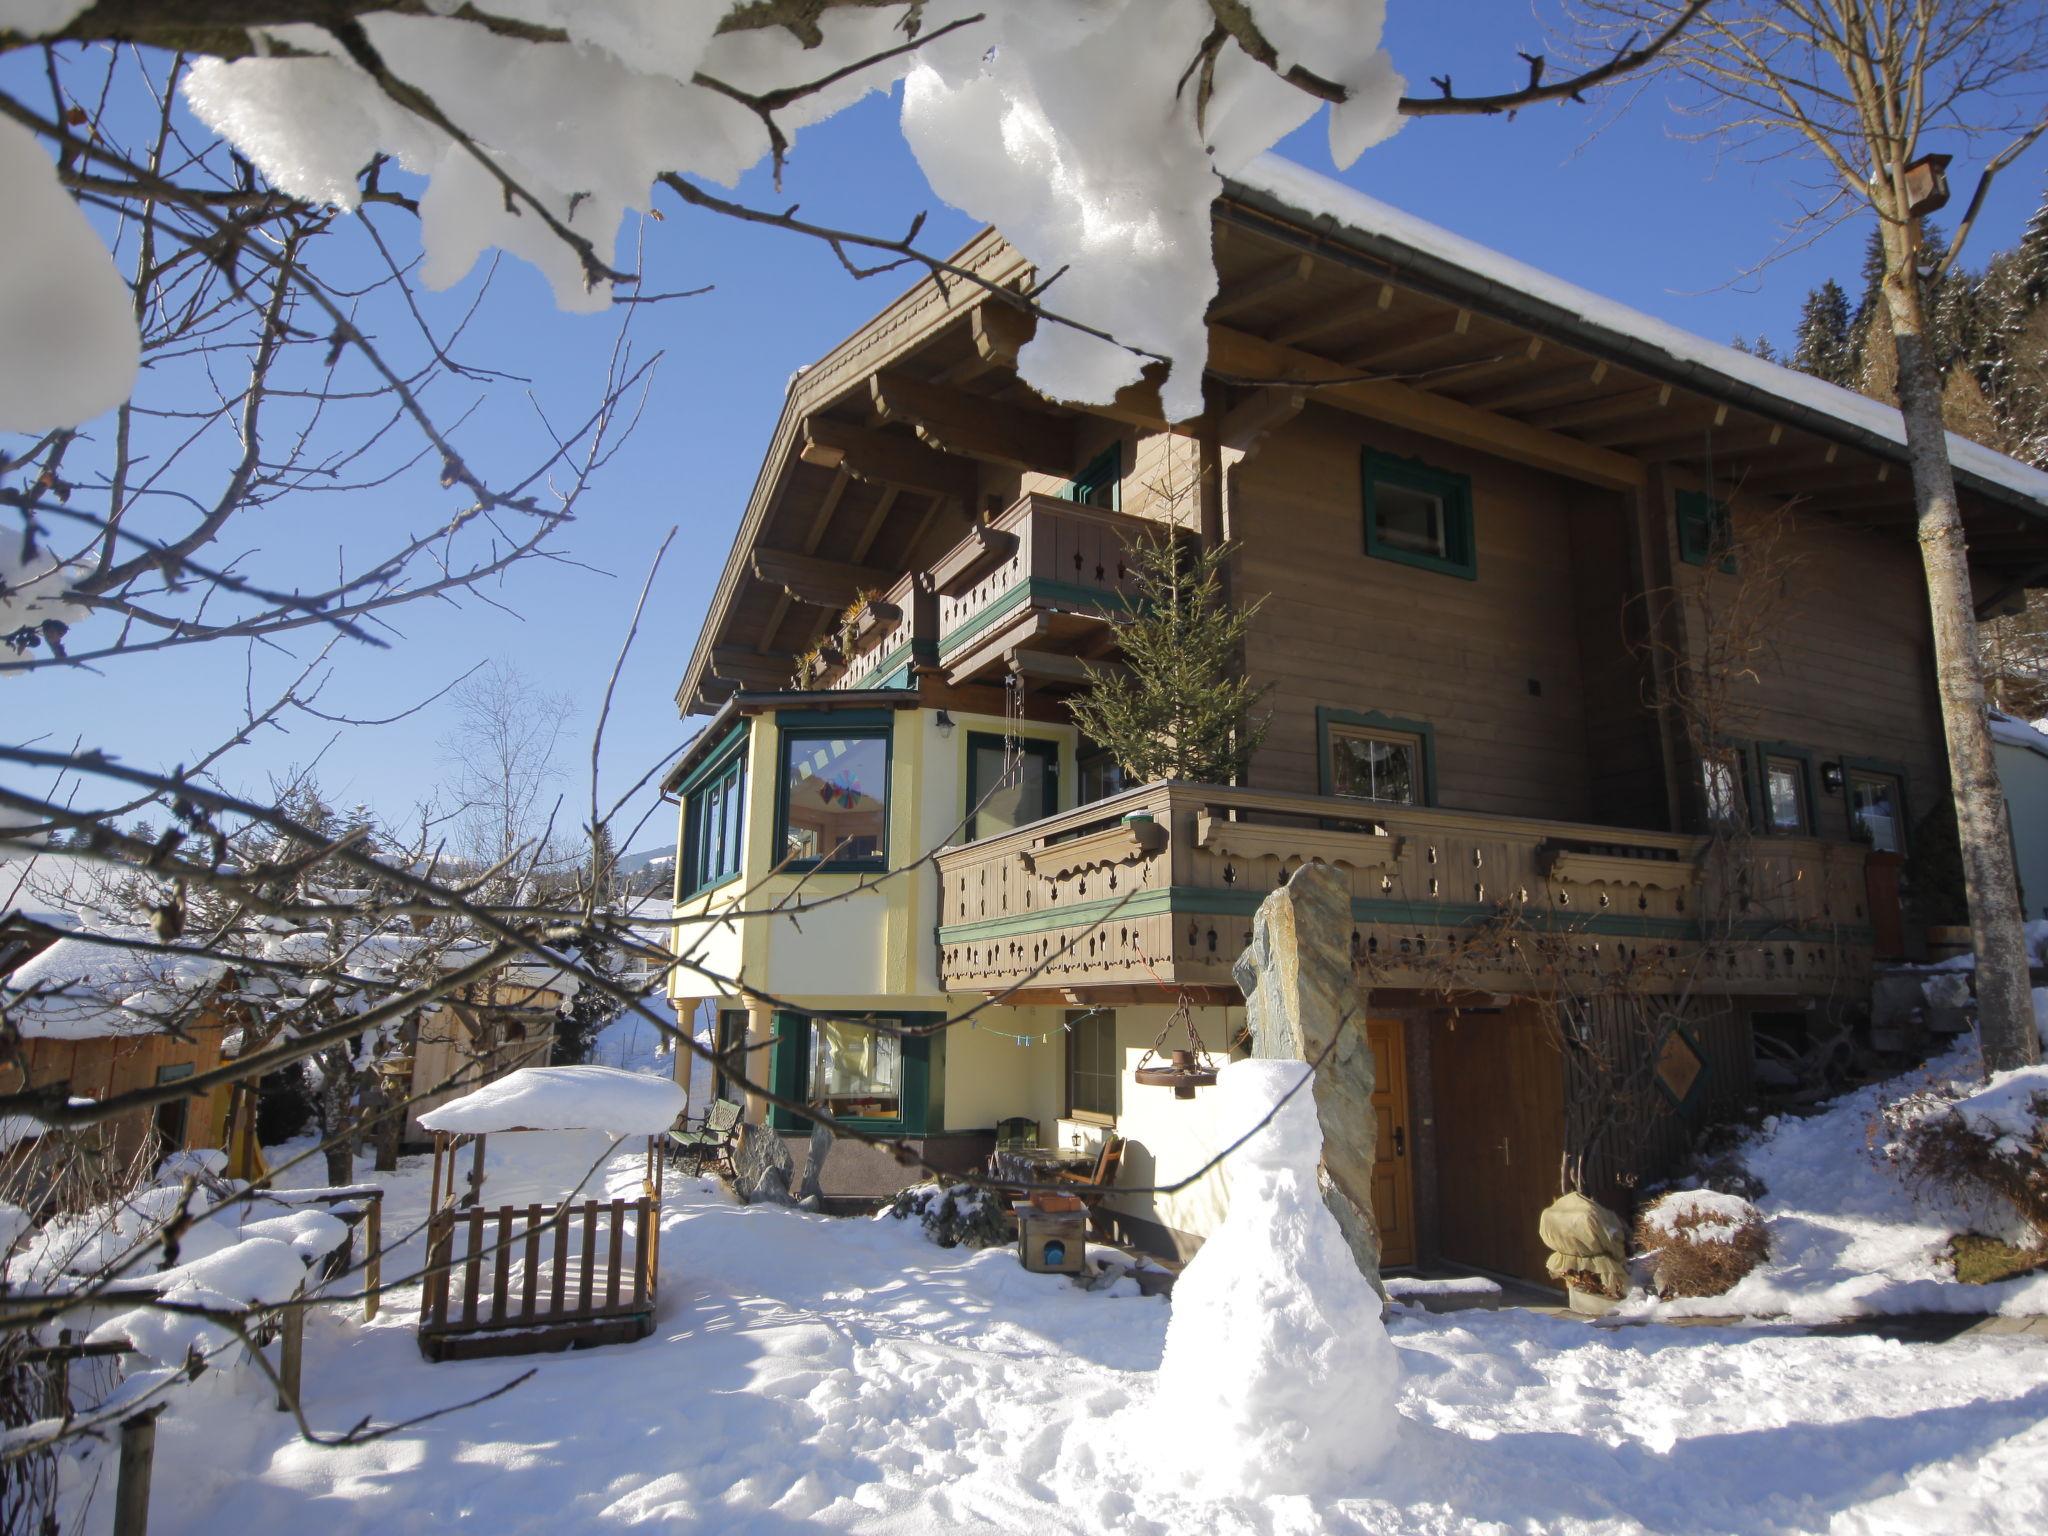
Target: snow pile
[1278,1376]
[1848,1235]
[563,1099]
[1704,1213]
[68,344]
[2008,1107]
[1072,127]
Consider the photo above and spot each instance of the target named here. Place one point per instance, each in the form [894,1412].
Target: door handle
[1400,1141]
[1506,1158]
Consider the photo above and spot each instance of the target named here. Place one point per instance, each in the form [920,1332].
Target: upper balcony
[1155,888]
[1033,588]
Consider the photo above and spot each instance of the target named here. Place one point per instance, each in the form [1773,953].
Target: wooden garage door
[1499,1135]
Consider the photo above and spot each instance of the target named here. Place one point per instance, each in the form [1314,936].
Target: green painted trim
[1765,751]
[790,1066]
[1032,590]
[729,765]
[1048,751]
[844,721]
[1455,492]
[830,725]
[713,760]
[1199,901]
[1328,715]
[1105,469]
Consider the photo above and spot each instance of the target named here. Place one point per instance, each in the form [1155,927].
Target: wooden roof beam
[749,671]
[1289,272]
[1395,342]
[953,421]
[1330,317]
[1245,425]
[885,458]
[1510,358]
[1717,445]
[1233,353]
[1626,405]
[1566,383]
[821,583]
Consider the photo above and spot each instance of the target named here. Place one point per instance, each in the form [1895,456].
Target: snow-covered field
[847,1374]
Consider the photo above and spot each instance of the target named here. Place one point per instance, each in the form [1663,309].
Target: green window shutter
[788,1067]
[1703,526]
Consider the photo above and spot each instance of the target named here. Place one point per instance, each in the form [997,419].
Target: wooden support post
[131,1491]
[373,1256]
[760,1030]
[291,1356]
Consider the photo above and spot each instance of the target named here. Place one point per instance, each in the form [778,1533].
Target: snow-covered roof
[83,988]
[2017,733]
[563,1099]
[1306,194]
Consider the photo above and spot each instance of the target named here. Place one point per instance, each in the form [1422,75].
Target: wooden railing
[539,1266]
[1158,885]
[1043,566]
[888,633]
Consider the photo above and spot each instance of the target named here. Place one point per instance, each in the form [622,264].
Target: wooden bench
[714,1138]
[1092,1187]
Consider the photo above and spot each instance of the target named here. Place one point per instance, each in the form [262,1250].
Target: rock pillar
[1299,993]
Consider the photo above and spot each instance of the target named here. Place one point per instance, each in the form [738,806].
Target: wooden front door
[1393,1200]
[1499,1136]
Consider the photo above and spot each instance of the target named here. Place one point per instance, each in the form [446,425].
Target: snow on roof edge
[1313,194]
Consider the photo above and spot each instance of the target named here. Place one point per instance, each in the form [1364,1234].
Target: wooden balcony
[897,623]
[1039,580]
[1154,889]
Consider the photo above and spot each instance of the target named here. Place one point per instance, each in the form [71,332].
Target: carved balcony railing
[1041,576]
[894,629]
[1156,888]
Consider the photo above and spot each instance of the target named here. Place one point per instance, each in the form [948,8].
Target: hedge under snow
[1062,122]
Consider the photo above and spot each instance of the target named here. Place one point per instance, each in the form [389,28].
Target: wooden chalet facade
[1491,519]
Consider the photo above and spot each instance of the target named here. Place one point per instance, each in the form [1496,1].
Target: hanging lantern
[1187,1067]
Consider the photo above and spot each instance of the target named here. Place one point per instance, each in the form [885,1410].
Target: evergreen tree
[1184,711]
[1825,347]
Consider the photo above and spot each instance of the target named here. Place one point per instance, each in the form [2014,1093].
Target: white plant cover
[563,1099]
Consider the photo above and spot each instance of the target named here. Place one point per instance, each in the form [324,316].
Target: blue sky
[1612,199]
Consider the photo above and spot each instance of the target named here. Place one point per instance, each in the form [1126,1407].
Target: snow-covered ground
[1848,1236]
[845,1373]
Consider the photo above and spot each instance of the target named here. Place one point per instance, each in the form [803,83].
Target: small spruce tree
[1185,709]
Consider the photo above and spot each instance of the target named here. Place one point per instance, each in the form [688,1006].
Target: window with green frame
[1419,515]
[714,820]
[1784,776]
[998,802]
[1101,483]
[1705,530]
[832,798]
[858,1074]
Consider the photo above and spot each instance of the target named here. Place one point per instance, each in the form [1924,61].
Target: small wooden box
[1052,1243]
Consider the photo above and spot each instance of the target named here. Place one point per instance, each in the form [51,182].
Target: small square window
[1370,765]
[1418,515]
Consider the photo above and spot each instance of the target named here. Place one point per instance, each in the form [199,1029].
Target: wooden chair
[715,1138]
[1094,1186]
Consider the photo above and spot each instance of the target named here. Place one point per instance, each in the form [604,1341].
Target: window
[713,820]
[1030,792]
[1418,515]
[1101,483]
[835,797]
[1721,787]
[1788,803]
[856,1072]
[1372,765]
[1101,777]
[173,1115]
[1094,1074]
[1877,812]
[1705,531]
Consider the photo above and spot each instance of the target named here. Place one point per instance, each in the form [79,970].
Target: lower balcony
[1154,890]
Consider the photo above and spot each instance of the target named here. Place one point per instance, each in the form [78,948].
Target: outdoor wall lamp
[1831,777]
[944,722]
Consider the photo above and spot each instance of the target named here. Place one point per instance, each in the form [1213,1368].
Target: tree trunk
[2004,996]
